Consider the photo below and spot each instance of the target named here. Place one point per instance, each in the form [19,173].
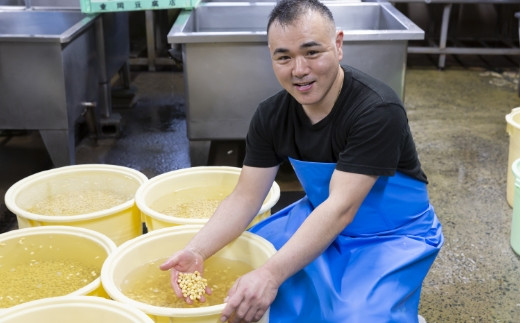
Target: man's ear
[339,44]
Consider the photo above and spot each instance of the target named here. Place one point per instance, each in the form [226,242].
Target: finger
[167,264]
[251,314]
[203,297]
[243,312]
[259,314]
[232,303]
[236,319]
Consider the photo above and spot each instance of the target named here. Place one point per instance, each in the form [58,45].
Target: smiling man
[306,61]
[357,247]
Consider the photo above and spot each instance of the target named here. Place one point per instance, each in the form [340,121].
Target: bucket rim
[16,188]
[107,271]
[81,232]
[75,301]
[510,117]
[142,191]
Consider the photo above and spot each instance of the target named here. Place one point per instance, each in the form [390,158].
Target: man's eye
[312,53]
[282,58]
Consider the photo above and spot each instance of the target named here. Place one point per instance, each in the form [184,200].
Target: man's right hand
[185,261]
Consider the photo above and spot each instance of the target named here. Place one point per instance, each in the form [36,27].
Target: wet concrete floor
[458,119]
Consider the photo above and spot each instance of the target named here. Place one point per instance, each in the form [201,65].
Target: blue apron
[373,271]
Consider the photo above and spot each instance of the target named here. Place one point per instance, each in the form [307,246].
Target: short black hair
[288,11]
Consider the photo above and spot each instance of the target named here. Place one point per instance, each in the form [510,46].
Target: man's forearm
[229,220]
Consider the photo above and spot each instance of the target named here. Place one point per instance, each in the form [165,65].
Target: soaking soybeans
[193,203]
[40,266]
[40,279]
[83,202]
[148,284]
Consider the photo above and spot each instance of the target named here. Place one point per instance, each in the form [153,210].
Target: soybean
[192,285]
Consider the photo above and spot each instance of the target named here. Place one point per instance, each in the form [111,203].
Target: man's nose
[300,67]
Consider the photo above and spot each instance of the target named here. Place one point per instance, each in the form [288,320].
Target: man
[357,247]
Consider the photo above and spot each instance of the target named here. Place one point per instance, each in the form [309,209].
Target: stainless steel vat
[113,38]
[48,70]
[115,28]
[227,66]
[113,49]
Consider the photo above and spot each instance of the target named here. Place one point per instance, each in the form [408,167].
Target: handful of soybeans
[192,285]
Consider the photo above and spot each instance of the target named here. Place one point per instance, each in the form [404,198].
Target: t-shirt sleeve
[375,141]
[260,151]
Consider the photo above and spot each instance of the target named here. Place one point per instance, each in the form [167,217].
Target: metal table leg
[150,40]
[444,34]
[124,74]
[104,86]
[109,122]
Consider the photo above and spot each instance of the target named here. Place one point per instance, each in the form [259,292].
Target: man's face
[305,57]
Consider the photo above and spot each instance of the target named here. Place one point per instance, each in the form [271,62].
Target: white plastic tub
[77,309]
[162,243]
[120,223]
[159,190]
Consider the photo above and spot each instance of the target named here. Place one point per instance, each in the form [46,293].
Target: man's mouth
[304,86]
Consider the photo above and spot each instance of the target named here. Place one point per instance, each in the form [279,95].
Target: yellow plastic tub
[76,309]
[63,256]
[513,129]
[120,222]
[162,243]
[160,191]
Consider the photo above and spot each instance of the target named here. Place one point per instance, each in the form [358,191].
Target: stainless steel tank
[48,71]
[111,45]
[227,66]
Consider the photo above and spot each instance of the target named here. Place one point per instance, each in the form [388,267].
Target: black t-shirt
[366,132]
